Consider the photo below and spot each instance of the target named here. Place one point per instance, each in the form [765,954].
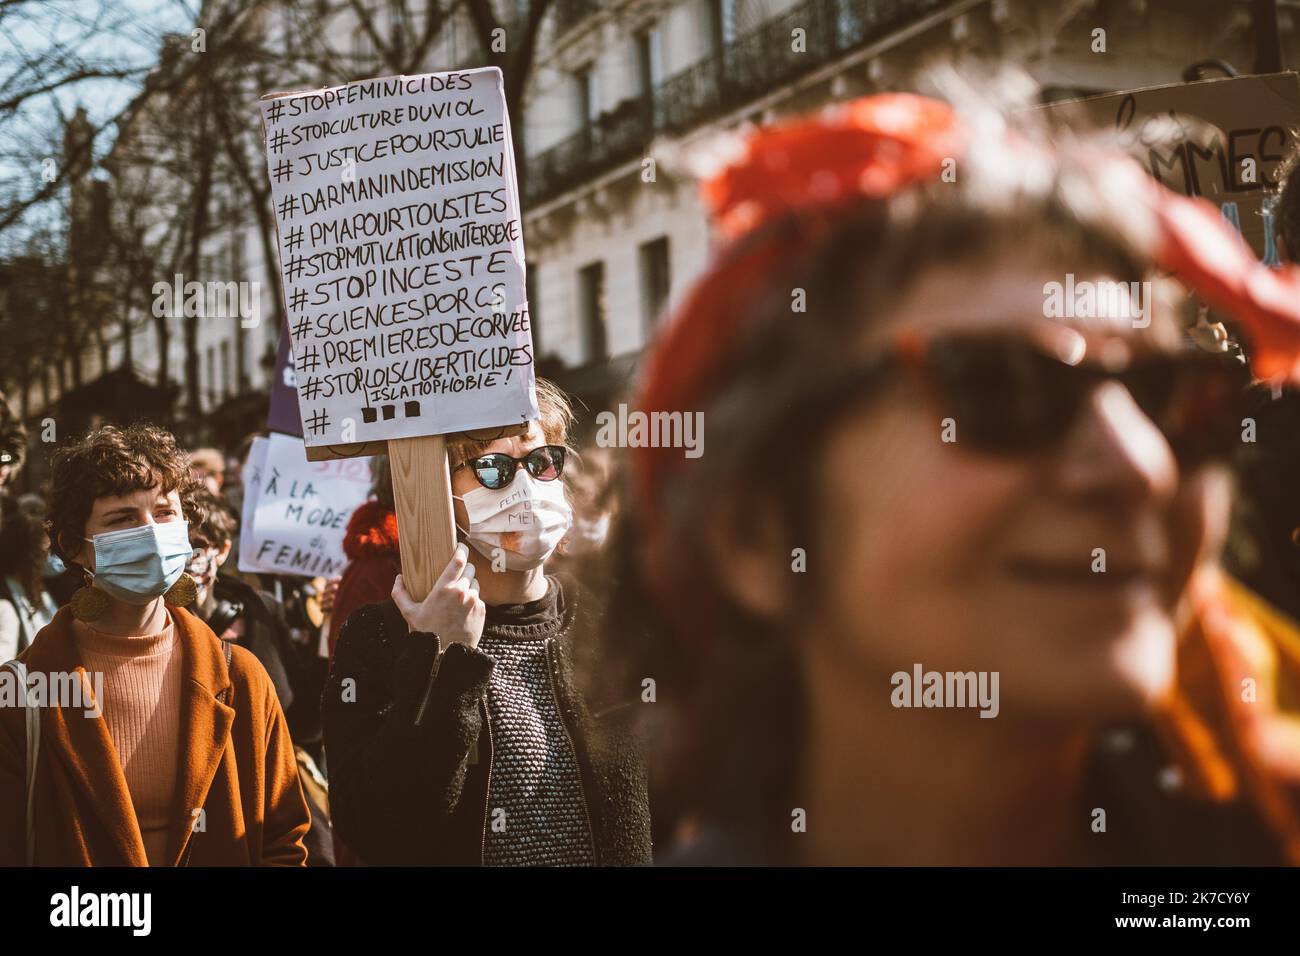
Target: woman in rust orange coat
[154,743]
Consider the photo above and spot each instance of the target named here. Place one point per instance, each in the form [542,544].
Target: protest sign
[401,256]
[402,262]
[1222,140]
[296,511]
[252,478]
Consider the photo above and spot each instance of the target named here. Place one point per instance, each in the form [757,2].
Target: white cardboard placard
[296,511]
[402,256]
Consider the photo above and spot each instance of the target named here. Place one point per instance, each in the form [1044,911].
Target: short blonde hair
[554,414]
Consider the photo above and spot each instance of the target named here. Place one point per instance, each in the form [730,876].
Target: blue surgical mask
[137,565]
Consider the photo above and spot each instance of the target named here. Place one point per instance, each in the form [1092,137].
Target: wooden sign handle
[426,525]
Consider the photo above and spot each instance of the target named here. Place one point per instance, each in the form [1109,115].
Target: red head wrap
[873,147]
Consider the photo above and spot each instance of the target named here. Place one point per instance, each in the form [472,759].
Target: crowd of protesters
[635,657]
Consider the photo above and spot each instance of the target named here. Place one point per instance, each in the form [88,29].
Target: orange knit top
[142,694]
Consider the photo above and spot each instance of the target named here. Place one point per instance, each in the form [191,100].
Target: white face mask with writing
[532,516]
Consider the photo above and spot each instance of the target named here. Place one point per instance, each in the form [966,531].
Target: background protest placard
[401,256]
[296,511]
[282,415]
[1222,140]
[252,476]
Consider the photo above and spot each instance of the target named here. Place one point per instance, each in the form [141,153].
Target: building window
[225,368]
[723,19]
[530,293]
[241,337]
[591,308]
[649,57]
[656,280]
[289,27]
[212,375]
[850,23]
[585,96]
[363,48]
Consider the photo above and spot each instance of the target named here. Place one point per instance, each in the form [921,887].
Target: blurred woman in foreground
[942,589]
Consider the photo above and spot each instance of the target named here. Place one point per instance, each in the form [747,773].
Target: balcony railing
[754,64]
[615,137]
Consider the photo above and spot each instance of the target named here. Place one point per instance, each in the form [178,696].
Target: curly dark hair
[1285,206]
[22,541]
[13,436]
[109,461]
[212,523]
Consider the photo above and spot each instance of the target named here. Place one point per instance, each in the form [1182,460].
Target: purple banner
[283,415]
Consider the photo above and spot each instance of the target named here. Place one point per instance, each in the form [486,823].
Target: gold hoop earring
[183,592]
[89,604]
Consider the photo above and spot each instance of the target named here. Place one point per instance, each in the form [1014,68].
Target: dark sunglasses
[497,470]
[1011,394]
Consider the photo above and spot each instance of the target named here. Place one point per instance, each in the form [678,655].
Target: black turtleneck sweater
[490,755]
[536,809]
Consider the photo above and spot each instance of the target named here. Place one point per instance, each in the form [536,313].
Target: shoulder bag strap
[33,715]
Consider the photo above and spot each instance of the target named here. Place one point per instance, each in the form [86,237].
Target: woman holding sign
[153,743]
[943,589]
[456,729]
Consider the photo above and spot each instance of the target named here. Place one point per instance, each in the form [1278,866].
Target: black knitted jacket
[404,793]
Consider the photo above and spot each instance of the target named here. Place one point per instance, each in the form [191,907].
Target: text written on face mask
[520,525]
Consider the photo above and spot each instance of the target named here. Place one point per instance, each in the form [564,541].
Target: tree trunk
[164,343]
[202,190]
[25,387]
[517,134]
[266,232]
